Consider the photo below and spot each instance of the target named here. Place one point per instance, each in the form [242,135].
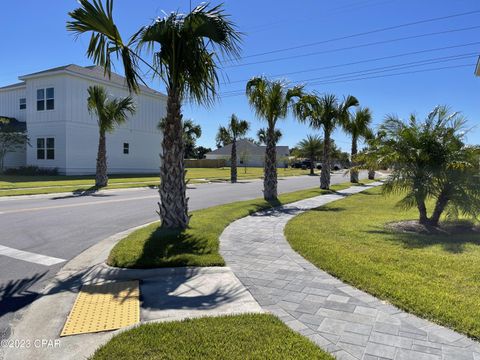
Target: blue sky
[34,38]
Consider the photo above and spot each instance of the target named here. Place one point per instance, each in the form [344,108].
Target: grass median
[258,336]
[152,246]
[436,276]
[11,185]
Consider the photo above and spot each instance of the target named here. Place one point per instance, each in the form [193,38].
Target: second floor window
[126,148]
[23,104]
[45,99]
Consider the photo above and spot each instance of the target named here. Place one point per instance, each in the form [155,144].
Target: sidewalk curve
[339,318]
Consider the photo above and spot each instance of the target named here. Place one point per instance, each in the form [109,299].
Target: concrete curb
[168,294]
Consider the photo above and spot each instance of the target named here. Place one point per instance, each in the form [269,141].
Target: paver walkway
[339,318]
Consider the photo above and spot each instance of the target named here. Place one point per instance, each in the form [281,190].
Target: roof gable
[93,72]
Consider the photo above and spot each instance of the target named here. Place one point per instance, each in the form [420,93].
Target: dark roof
[12,124]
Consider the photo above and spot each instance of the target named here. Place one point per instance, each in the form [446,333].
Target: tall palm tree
[185,50]
[270,100]
[358,126]
[311,148]
[236,129]
[324,112]
[110,113]
[262,135]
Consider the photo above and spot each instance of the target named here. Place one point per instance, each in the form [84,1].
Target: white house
[249,154]
[62,133]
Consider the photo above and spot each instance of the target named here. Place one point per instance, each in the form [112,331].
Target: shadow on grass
[328,209]
[451,243]
[167,247]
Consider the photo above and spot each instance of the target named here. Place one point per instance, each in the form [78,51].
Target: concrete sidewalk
[166,294]
[339,318]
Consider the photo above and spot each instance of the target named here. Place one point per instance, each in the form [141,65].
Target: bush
[31,171]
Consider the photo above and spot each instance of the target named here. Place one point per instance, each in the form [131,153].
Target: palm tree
[430,160]
[324,112]
[185,50]
[270,100]
[191,132]
[312,148]
[358,126]
[236,129]
[110,113]
[262,135]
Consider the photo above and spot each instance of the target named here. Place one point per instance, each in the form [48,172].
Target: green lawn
[252,336]
[29,185]
[152,247]
[434,276]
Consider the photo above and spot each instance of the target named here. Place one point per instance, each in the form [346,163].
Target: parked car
[304,164]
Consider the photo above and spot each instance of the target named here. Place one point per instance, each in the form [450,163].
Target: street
[41,233]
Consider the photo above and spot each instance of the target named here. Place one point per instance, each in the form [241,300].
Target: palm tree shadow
[16,294]
[451,243]
[91,191]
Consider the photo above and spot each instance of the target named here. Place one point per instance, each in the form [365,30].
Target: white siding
[10,103]
[140,132]
[47,123]
[76,131]
[10,107]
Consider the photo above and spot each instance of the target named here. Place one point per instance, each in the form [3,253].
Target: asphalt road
[62,226]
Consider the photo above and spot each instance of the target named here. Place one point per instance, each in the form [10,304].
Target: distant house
[249,154]
[52,104]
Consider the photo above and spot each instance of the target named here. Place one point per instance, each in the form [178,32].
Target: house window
[126,148]
[50,98]
[45,99]
[46,148]
[23,104]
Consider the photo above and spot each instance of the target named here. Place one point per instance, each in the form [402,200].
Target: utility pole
[477,69]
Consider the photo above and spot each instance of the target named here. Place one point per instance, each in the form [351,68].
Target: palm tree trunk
[354,172]
[312,166]
[422,210]
[270,169]
[173,201]
[233,165]
[101,178]
[371,174]
[325,173]
[440,206]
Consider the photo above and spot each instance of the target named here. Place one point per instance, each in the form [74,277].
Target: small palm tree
[236,129]
[429,160]
[185,50]
[311,148]
[270,101]
[324,112]
[262,135]
[110,113]
[358,126]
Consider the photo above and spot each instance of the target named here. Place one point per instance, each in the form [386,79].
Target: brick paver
[341,319]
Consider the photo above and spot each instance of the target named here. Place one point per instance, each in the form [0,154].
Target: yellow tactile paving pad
[103,307]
